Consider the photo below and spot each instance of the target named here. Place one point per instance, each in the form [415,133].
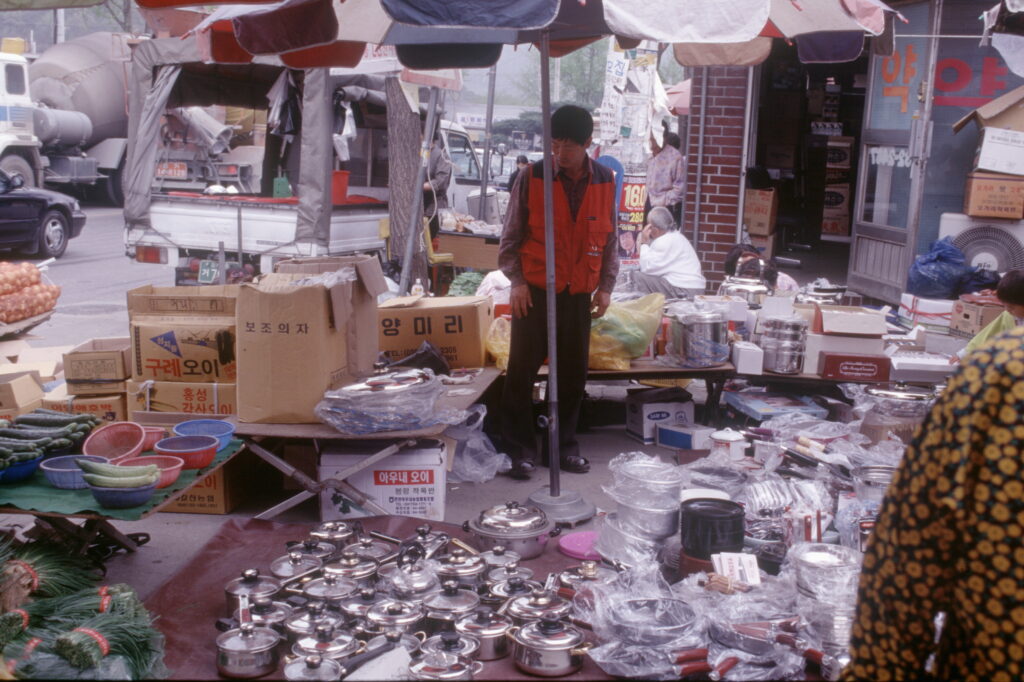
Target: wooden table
[384,444]
[476,251]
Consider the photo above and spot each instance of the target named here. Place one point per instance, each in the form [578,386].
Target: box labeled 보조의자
[994,195]
[457,325]
[174,396]
[298,340]
[409,483]
[760,207]
[647,409]
[111,408]
[99,360]
[183,333]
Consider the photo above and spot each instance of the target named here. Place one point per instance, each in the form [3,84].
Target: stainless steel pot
[304,622]
[247,652]
[395,614]
[499,556]
[491,629]
[536,605]
[648,522]
[267,613]
[408,581]
[524,530]
[548,648]
[330,589]
[312,669]
[295,565]
[750,289]
[701,339]
[361,569]
[588,572]
[783,356]
[450,642]
[369,547]
[356,605]
[337,533]
[251,584]
[507,572]
[447,606]
[514,587]
[314,547]
[327,642]
[441,666]
[463,567]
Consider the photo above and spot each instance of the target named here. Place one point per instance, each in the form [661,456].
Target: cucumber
[15,445]
[120,481]
[47,420]
[59,444]
[32,433]
[113,470]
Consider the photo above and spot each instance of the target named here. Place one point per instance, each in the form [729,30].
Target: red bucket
[339,187]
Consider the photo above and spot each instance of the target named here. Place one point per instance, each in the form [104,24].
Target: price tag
[208,272]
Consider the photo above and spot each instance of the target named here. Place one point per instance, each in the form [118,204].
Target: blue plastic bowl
[219,429]
[21,471]
[122,498]
[62,472]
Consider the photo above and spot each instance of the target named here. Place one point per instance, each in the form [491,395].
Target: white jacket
[671,256]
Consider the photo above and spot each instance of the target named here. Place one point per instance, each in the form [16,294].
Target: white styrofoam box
[931,313]
[409,483]
[684,437]
[748,358]
[816,343]
[1001,151]
[643,418]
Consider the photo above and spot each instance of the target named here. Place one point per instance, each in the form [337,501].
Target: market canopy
[1004,28]
[45,4]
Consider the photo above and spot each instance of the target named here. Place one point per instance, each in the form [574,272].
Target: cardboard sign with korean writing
[189,398]
[183,348]
[457,325]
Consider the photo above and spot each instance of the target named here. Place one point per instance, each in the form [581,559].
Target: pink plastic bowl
[119,440]
[196,451]
[170,467]
[154,434]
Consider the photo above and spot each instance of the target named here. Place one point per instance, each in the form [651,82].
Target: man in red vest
[585,268]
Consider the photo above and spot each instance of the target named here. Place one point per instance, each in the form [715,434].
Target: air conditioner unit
[988,243]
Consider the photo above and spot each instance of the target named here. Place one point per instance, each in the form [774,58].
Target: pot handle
[477,668]
[465,526]
[557,530]
[225,624]
[581,650]
[510,634]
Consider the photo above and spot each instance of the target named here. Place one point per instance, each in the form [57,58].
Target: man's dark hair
[571,122]
[1011,288]
[522,159]
[671,140]
[733,257]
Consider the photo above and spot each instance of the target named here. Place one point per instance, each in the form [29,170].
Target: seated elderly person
[744,260]
[668,264]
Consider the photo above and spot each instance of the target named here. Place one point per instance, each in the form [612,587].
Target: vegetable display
[23,294]
[42,432]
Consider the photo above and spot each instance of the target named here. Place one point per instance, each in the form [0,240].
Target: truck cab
[19,147]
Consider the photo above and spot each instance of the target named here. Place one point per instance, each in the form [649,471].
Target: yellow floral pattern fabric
[949,536]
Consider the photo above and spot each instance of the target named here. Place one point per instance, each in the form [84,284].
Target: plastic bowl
[170,467]
[196,451]
[154,434]
[115,441]
[21,471]
[218,428]
[122,498]
[62,472]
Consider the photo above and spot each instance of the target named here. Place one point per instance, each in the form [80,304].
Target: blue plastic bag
[937,273]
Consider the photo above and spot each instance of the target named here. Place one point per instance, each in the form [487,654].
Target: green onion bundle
[50,571]
[69,609]
[128,635]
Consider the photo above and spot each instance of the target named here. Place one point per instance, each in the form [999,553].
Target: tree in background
[38,25]
[581,76]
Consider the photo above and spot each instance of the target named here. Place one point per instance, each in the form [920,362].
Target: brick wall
[722,171]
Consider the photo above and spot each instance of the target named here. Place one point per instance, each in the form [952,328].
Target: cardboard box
[930,313]
[410,483]
[1000,150]
[647,409]
[219,492]
[81,388]
[20,392]
[11,413]
[967,319]
[111,408]
[100,360]
[1005,111]
[993,195]
[47,370]
[748,358]
[780,155]
[920,366]
[819,343]
[684,437]
[849,321]
[760,208]
[838,226]
[837,201]
[766,245]
[10,350]
[295,342]
[174,396]
[839,153]
[457,325]
[183,333]
[853,367]
[761,405]
[45,354]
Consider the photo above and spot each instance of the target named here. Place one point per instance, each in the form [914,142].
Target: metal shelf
[838,238]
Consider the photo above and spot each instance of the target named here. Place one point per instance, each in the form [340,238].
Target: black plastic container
[710,526]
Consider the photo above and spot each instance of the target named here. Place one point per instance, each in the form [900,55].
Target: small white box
[410,483]
[931,313]
[1001,151]
[747,357]
[684,437]
[859,345]
[643,418]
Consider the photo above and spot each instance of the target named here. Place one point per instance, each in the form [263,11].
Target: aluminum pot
[491,629]
[267,613]
[304,622]
[462,566]
[330,589]
[536,605]
[648,522]
[548,648]
[442,666]
[251,584]
[361,569]
[450,642]
[447,606]
[523,530]
[247,652]
[328,642]
[295,565]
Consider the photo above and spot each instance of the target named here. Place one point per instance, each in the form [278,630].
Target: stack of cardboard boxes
[95,375]
[760,210]
[838,166]
[995,187]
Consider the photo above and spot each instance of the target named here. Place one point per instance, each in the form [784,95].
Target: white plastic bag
[476,459]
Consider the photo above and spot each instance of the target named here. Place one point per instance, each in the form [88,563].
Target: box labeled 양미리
[410,483]
[456,325]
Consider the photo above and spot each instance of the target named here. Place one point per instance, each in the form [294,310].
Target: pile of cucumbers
[112,476]
[41,432]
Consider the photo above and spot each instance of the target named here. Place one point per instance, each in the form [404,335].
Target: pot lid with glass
[451,600]
[312,546]
[512,520]
[514,587]
[253,584]
[410,642]
[509,571]
[549,633]
[353,566]
[328,642]
[336,533]
[368,547]
[305,621]
[484,623]
[267,613]
[295,564]
[395,613]
[499,556]
[587,571]
[539,603]
[452,643]
[356,605]
[248,639]
[441,666]
[331,588]
[313,668]
[461,564]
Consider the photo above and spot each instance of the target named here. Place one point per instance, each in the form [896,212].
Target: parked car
[35,220]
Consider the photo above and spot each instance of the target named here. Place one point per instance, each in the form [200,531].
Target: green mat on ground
[37,495]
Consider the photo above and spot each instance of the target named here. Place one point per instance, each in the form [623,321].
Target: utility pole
[58,26]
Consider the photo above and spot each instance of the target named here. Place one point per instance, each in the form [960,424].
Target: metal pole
[416,217]
[485,172]
[700,153]
[241,262]
[554,458]
[745,154]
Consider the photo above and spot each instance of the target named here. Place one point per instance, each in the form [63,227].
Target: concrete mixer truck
[63,117]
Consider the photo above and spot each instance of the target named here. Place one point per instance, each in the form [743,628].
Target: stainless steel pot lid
[253,584]
[248,638]
[538,603]
[391,382]
[335,532]
[510,571]
[452,599]
[312,668]
[484,624]
[318,548]
[412,578]
[328,642]
[514,587]
[901,391]
[512,520]
[449,642]
[352,565]
[441,666]
[368,547]
[585,572]
[549,633]
[462,564]
[499,556]
[330,588]
[358,604]
[295,563]
[395,612]
[266,612]
[306,620]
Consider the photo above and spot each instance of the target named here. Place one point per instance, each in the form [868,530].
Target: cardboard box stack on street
[20,392]
[457,325]
[842,330]
[996,189]
[111,408]
[298,340]
[760,209]
[994,195]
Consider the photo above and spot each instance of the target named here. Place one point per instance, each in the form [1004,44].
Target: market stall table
[456,397]
[190,602]
[57,507]
[479,251]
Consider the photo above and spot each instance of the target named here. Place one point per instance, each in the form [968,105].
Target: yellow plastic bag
[499,340]
[624,332]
